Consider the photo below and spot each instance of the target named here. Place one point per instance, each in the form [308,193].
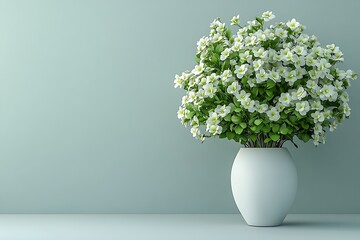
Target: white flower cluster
[270,72]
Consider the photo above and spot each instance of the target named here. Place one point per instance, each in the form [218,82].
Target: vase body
[264,184]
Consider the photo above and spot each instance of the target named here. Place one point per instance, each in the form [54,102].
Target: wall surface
[88,110]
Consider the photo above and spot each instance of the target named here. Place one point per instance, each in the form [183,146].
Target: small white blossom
[222,110]
[209,90]
[273,114]
[235,20]
[285,99]
[241,70]
[261,108]
[233,88]
[225,54]
[300,93]
[302,107]
[293,24]
[198,69]
[261,76]
[318,116]
[257,64]
[267,16]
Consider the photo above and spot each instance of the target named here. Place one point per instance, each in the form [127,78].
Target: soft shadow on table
[325,224]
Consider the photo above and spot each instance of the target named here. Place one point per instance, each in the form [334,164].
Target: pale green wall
[88,111]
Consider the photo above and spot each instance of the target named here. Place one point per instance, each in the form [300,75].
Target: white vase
[264,184]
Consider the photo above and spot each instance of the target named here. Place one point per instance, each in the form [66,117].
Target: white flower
[222,111]
[220,28]
[281,33]
[195,131]
[217,37]
[213,119]
[273,75]
[181,113]
[261,76]
[316,105]
[347,110]
[226,76]
[267,16]
[209,90]
[316,139]
[185,99]
[214,129]
[192,96]
[338,85]
[333,126]
[302,107]
[257,64]
[241,70]
[318,128]
[318,116]
[285,99]
[237,46]
[273,114]
[290,77]
[260,53]
[233,88]
[235,20]
[261,108]
[300,50]
[202,43]
[250,41]
[293,24]
[326,92]
[245,57]
[301,93]
[178,81]
[251,82]
[310,84]
[225,54]
[198,69]
[248,104]
[242,96]
[344,96]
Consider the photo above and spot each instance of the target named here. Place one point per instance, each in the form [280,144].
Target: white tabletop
[174,227]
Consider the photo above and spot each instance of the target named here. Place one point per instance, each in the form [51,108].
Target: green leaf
[253,138]
[243,125]
[270,84]
[266,128]
[274,137]
[228,33]
[227,118]
[269,93]
[236,102]
[253,128]
[260,20]
[275,127]
[284,130]
[237,110]
[258,121]
[304,137]
[215,58]
[255,91]
[267,140]
[225,65]
[239,130]
[235,119]
[293,119]
[234,55]
[197,59]
[230,135]
[219,48]
[222,135]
